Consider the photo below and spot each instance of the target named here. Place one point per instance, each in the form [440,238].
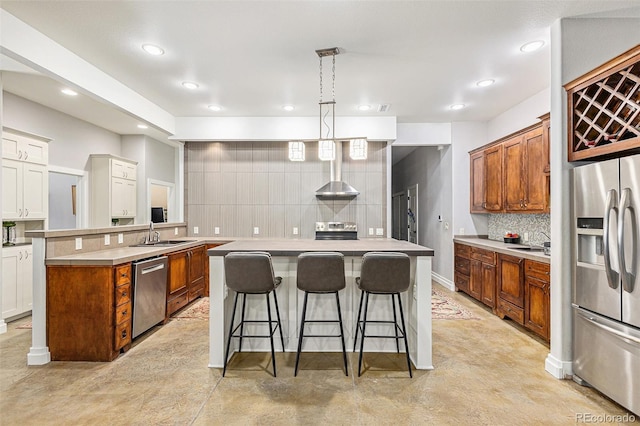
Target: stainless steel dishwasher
[149,293]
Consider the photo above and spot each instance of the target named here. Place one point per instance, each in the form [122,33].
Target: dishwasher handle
[152,269]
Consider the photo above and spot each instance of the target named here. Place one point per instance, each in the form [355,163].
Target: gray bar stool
[383,273]
[251,273]
[320,273]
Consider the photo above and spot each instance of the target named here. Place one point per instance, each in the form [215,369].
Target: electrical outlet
[175,231]
[256,230]
[120,238]
[370,231]
[107,239]
[525,236]
[295,231]
[461,231]
[379,231]
[196,230]
[216,230]
[79,243]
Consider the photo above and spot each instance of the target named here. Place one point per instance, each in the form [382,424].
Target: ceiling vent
[383,107]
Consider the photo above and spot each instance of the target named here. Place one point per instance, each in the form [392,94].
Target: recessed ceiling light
[152,49]
[532,46]
[288,107]
[190,85]
[485,83]
[69,92]
[364,107]
[215,108]
[456,106]
[142,126]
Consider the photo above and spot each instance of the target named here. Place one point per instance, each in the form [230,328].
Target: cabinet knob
[20,212]
[26,155]
[124,313]
[26,212]
[19,154]
[123,335]
[20,255]
[124,294]
[26,254]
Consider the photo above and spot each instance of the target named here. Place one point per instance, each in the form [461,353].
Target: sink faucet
[152,237]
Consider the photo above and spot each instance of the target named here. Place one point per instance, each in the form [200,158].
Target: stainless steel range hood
[336,189]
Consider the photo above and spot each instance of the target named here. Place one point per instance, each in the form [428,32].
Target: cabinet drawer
[484,256]
[123,313]
[123,294]
[123,274]
[462,250]
[462,282]
[462,265]
[511,311]
[122,335]
[537,269]
[177,303]
[194,293]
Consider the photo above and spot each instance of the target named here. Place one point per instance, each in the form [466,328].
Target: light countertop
[504,248]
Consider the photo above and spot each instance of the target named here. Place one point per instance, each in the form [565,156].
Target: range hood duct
[336,189]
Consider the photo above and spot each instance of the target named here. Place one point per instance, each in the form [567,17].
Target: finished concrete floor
[487,372]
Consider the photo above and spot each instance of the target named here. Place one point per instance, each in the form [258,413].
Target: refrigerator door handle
[612,204]
[628,276]
[628,338]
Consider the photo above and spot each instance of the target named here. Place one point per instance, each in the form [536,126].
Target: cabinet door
[511,279]
[17,147]
[118,197]
[130,198]
[489,285]
[536,310]
[178,268]
[27,279]
[537,159]
[196,265]
[493,178]
[475,280]
[35,191]
[11,189]
[513,174]
[11,290]
[477,182]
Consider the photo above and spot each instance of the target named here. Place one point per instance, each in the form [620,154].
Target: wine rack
[604,109]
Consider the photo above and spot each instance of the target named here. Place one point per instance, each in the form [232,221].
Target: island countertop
[289,247]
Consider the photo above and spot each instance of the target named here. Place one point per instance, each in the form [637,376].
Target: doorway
[399,216]
[412,214]
[67,189]
[161,195]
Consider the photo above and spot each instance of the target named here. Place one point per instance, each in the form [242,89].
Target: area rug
[25,325]
[442,307]
[198,310]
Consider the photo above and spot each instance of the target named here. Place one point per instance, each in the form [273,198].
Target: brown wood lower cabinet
[186,277]
[514,287]
[88,312]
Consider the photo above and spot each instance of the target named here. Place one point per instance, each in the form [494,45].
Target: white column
[422,354]
[39,352]
[217,325]
[558,362]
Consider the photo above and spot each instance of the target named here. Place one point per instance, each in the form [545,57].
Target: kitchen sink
[161,243]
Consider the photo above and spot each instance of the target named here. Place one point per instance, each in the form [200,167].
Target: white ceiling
[254,57]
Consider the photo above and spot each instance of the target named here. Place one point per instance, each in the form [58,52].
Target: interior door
[629,232]
[412,214]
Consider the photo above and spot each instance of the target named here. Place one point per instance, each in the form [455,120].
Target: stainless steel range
[336,231]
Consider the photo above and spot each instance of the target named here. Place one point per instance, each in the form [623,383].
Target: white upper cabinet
[113,190]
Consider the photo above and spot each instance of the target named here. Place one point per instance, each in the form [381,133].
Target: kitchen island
[416,301]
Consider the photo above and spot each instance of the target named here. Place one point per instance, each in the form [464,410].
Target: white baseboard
[3,326]
[38,356]
[442,281]
[558,368]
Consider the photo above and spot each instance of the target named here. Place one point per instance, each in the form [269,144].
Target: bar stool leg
[404,332]
[355,339]
[244,303]
[304,316]
[344,349]
[226,353]
[395,321]
[271,331]
[275,300]
[364,325]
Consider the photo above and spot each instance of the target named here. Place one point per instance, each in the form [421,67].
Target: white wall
[159,160]
[519,116]
[465,137]
[73,139]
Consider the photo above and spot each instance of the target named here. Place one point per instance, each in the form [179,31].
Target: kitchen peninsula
[417,300]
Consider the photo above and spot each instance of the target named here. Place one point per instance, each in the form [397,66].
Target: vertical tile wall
[237,186]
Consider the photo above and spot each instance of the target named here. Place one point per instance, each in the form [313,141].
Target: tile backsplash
[236,187]
[534,224]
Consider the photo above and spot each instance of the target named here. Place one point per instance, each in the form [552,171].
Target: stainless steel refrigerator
[606,291]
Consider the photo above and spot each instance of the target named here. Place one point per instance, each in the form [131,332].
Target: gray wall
[73,139]
[237,186]
[431,169]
